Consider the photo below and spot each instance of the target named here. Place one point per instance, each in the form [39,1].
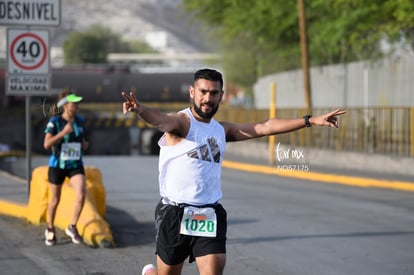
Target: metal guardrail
[382,130]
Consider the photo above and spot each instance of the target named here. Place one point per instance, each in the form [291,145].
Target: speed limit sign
[27,62]
[28,51]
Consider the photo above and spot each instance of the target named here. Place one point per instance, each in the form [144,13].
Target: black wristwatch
[306,118]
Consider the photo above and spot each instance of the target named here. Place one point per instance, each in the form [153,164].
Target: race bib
[70,151]
[200,222]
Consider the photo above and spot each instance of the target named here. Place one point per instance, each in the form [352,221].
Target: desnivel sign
[30,12]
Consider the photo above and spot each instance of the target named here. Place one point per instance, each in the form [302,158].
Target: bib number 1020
[199,222]
[200,226]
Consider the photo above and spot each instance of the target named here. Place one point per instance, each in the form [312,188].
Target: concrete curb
[13,209]
[322,177]
[259,152]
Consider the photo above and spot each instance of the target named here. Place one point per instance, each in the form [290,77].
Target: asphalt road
[276,225]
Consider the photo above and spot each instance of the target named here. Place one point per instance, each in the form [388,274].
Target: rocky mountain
[162,23]
[135,19]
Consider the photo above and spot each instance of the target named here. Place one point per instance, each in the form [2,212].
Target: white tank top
[190,171]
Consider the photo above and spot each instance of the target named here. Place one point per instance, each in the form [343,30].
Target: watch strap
[306,118]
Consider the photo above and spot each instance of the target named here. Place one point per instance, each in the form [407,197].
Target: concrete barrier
[91,225]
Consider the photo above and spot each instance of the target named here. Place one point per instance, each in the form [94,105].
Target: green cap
[73,98]
[69,98]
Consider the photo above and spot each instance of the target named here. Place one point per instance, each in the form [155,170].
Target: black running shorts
[173,248]
[57,176]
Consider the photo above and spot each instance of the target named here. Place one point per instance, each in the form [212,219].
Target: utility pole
[304,55]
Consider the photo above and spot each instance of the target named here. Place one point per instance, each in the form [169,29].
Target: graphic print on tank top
[205,151]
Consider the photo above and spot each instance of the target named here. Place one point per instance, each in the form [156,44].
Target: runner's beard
[205,115]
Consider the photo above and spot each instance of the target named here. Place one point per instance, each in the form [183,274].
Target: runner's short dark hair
[209,74]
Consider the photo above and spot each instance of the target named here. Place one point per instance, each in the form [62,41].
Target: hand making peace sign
[131,103]
[329,119]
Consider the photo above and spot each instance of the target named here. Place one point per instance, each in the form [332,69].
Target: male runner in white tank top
[190,221]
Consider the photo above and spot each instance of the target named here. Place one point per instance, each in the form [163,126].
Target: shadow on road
[126,230]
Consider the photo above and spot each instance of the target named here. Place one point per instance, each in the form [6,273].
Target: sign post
[28,74]
[28,54]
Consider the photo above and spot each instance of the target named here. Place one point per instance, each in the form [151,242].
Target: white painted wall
[387,82]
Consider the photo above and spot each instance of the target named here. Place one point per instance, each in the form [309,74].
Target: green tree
[112,41]
[82,48]
[261,37]
[349,30]
[93,45]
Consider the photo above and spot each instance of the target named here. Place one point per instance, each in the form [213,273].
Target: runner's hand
[68,128]
[131,103]
[329,119]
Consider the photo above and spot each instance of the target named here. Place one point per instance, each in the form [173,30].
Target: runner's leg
[55,191]
[164,269]
[212,264]
[78,183]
